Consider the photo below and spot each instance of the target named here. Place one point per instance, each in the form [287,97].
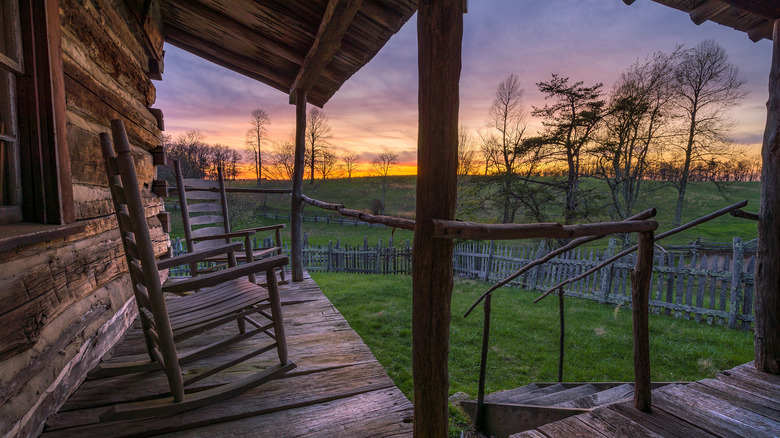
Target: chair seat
[210,305]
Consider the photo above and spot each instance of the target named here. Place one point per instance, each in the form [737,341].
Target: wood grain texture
[338,389]
[439,40]
[767,293]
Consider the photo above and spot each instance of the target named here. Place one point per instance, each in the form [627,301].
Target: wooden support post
[640,297]
[562,336]
[296,211]
[767,301]
[439,36]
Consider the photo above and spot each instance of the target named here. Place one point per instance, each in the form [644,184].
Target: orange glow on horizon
[246,171]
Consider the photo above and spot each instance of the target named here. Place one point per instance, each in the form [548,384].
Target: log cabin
[68,67]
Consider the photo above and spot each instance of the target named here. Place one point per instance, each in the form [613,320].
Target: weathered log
[439,35]
[476,231]
[568,247]
[767,298]
[640,300]
[335,22]
[617,256]
[744,214]
[395,222]
[296,208]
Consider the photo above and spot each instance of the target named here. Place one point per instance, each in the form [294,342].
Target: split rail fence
[691,283]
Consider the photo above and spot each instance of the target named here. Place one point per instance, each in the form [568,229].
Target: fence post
[738,252]
[489,263]
[606,277]
[330,254]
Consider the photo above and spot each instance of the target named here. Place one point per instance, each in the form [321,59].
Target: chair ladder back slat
[142,296]
[204,207]
[131,246]
[207,219]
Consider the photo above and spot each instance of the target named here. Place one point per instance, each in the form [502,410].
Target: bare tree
[501,142]
[255,137]
[226,158]
[328,162]
[706,84]
[635,129]
[282,160]
[381,165]
[317,134]
[570,124]
[467,154]
[192,153]
[350,160]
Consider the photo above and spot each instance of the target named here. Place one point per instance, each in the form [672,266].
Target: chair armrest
[219,277]
[198,256]
[230,235]
[268,227]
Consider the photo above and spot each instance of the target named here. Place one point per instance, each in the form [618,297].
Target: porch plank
[338,387]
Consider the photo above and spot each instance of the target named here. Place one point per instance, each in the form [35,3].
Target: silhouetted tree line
[199,159]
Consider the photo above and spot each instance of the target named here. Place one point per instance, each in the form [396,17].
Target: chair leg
[241,325]
[276,313]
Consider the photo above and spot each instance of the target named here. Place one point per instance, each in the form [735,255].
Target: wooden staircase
[530,406]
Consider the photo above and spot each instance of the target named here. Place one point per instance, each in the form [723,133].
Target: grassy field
[357,193]
[524,337]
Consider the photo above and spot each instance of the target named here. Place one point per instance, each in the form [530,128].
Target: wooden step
[521,399]
[501,396]
[562,396]
[599,398]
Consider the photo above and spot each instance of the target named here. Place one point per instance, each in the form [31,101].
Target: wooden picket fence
[714,287]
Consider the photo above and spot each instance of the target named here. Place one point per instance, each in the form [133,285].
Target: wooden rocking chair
[207,223]
[224,297]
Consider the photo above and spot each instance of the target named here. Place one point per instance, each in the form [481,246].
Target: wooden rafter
[239,30]
[335,22]
[763,8]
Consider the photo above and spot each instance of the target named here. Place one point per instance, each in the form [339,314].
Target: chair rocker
[224,297]
[204,213]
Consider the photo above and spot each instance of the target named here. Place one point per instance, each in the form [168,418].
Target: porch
[338,388]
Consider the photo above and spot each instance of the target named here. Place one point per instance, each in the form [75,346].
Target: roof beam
[707,10]
[337,18]
[763,8]
[232,26]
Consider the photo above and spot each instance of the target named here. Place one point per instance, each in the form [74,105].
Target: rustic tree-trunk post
[640,297]
[296,212]
[767,300]
[439,35]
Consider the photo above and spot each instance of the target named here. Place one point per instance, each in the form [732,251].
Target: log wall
[65,302]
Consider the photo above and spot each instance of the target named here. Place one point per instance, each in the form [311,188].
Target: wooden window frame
[41,129]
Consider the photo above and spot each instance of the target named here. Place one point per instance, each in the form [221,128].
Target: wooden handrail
[617,256]
[390,221]
[477,231]
[651,212]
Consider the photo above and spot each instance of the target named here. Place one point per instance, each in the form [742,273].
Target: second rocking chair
[224,297]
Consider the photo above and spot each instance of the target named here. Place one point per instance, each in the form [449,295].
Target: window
[10,68]
[35,184]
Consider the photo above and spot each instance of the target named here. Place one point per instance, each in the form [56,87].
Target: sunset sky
[585,40]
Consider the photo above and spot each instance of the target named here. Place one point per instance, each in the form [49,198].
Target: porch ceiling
[311,44]
[755,17]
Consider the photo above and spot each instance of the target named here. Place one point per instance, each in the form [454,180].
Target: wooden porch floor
[338,388]
[741,402]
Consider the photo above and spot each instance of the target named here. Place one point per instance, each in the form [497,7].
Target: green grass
[524,336]
[357,193]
